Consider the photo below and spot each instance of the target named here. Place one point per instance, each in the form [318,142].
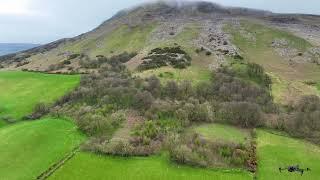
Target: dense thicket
[100,104]
[168,56]
[302,120]
[105,98]
[194,150]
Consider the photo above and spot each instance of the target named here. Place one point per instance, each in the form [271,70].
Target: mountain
[286,45]
[168,90]
[8,48]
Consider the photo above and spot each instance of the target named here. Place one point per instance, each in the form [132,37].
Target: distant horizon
[8,48]
[38,22]
[26,43]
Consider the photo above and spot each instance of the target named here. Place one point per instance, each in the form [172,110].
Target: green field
[21,91]
[276,151]
[222,133]
[29,148]
[94,167]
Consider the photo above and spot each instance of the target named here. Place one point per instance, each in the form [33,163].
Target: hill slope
[291,45]
[190,66]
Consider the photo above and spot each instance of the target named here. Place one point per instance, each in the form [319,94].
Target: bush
[94,124]
[66,62]
[174,56]
[304,120]
[242,114]
[256,71]
[55,67]
[227,88]
[22,63]
[185,90]
[143,100]
[196,151]
[153,85]
[161,109]
[171,90]
[73,56]
[40,110]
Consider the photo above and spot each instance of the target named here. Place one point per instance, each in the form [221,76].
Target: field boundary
[53,168]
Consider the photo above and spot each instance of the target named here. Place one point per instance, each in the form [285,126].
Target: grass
[90,166]
[123,38]
[265,36]
[222,133]
[126,39]
[21,91]
[193,74]
[29,148]
[276,151]
[241,70]
[184,39]
[287,78]
[199,70]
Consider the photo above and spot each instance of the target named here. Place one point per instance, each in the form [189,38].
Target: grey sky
[42,21]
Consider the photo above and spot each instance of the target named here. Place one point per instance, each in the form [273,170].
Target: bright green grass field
[94,167]
[21,91]
[222,133]
[276,151]
[29,148]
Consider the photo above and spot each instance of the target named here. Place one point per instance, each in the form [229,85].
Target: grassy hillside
[255,42]
[199,70]
[159,128]
[21,91]
[124,38]
[276,151]
[29,148]
[193,74]
[90,166]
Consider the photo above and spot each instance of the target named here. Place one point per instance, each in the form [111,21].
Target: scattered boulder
[279,43]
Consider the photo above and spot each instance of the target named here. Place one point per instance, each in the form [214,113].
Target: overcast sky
[42,21]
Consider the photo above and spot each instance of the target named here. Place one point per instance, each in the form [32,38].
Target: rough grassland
[287,78]
[94,167]
[21,91]
[29,148]
[192,74]
[122,39]
[222,133]
[199,70]
[276,151]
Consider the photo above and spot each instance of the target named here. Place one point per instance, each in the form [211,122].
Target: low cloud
[42,21]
